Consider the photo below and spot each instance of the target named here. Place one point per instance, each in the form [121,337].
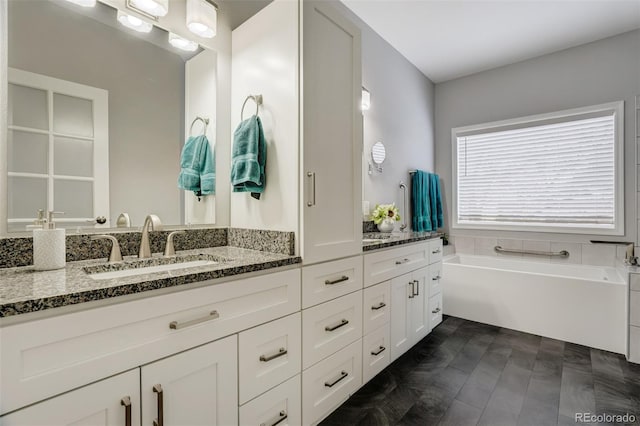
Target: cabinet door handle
[267,358]
[379,351]
[279,418]
[436,251]
[417,287]
[412,290]
[337,280]
[436,278]
[343,374]
[379,306]
[160,420]
[400,262]
[126,402]
[175,325]
[435,311]
[342,323]
[312,176]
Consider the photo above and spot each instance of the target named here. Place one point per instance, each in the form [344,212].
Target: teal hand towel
[437,218]
[197,167]
[421,211]
[249,158]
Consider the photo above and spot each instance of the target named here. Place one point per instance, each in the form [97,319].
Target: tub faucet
[152,221]
[629,258]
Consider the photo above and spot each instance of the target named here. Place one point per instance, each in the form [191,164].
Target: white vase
[386,225]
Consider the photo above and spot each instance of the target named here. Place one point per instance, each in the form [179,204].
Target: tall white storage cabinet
[331,134]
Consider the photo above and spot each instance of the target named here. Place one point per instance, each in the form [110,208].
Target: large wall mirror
[97,114]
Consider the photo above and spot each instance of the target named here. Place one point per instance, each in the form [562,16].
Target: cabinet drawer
[281,406]
[98,404]
[376,306]
[435,309]
[327,281]
[329,383]
[376,352]
[435,250]
[269,355]
[435,275]
[634,308]
[43,358]
[387,264]
[329,327]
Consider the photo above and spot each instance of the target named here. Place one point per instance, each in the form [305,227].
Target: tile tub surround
[23,290]
[18,251]
[397,239]
[579,253]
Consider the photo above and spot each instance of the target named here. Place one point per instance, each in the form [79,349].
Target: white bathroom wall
[200,101]
[265,61]
[602,71]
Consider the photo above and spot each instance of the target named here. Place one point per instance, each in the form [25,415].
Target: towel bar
[256,98]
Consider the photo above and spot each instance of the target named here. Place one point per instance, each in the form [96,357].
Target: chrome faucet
[629,255]
[153,221]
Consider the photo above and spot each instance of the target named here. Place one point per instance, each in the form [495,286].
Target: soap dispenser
[49,245]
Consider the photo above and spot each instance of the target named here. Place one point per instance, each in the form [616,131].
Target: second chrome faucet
[152,221]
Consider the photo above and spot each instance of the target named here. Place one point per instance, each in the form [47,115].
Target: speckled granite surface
[256,239]
[18,251]
[24,290]
[394,239]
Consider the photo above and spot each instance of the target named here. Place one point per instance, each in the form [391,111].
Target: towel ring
[204,120]
[256,98]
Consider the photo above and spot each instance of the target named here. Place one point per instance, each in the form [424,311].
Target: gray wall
[602,71]
[401,116]
[146,98]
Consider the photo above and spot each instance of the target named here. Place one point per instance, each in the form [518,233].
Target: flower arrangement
[385,211]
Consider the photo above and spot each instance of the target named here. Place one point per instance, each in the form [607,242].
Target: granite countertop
[24,290]
[394,239]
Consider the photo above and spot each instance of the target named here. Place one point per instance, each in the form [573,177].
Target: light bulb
[134,23]
[152,7]
[202,18]
[182,43]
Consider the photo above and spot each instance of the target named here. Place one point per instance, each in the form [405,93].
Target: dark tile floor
[467,373]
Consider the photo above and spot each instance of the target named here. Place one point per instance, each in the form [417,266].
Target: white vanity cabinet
[332,134]
[412,273]
[111,402]
[195,387]
[186,342]
[634,318]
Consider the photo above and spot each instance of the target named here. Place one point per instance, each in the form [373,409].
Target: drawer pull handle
[160,420]
[342,323]
[400,262]
[280,418]
[379,351]
[267,358]
[412,295]
[175,325]
[417,287]
[436,251]
[379,306]
[343,374]
[337,280]
[126,402]
[436,278]
[312,176]
[435,311]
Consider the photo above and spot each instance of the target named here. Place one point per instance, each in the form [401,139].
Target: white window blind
[556,172]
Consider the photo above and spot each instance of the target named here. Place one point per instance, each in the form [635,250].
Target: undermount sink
[131,268]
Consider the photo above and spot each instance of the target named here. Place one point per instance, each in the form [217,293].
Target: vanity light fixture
[83,3]
[366,99]
[134,23]
[202,18]
[182,43]
[154,8]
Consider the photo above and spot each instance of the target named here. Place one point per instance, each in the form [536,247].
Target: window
[58,150]
[559,172]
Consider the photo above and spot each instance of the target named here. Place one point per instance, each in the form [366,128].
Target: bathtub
[575,303]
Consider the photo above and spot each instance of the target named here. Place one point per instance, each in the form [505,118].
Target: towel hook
[256,98]
[204,120]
